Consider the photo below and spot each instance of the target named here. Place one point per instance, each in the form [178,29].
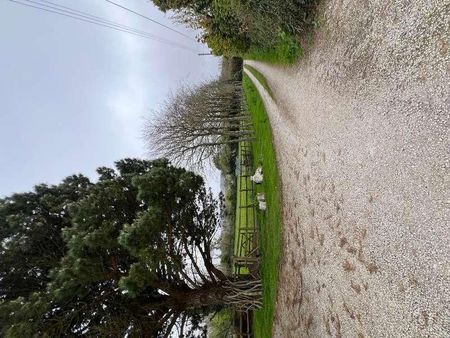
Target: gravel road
[362,131]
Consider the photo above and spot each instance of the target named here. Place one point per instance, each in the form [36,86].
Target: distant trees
[131,255]
[198,121]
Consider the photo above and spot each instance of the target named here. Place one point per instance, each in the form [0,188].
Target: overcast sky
[74,95]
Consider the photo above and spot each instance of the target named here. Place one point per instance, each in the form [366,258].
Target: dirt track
[362,129]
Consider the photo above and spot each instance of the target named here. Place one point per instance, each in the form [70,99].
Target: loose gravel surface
[362,128]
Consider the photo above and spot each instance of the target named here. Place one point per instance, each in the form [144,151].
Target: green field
[269,221]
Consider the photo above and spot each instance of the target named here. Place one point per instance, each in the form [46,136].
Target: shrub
[233,27]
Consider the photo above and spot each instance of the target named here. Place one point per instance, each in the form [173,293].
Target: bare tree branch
[196,122]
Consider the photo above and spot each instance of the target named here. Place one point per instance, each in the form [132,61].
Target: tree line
[195,123]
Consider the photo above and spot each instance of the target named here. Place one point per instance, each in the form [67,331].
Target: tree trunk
[243,294]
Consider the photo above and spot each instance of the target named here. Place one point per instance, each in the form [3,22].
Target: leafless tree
[196,122]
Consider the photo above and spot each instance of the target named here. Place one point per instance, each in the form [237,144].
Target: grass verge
[261,80]
[270,220]
[284,52]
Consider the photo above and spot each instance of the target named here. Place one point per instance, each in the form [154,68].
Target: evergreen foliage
[127,256]
[30,234]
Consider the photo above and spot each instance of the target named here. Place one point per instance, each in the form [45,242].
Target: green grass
[270,220]
[261,80]
[284,52]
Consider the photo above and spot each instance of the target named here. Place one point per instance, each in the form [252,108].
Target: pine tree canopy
[127,256]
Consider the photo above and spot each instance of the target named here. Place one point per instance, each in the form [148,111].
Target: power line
[95,18]
[86,17]
[150,19]
[81,13]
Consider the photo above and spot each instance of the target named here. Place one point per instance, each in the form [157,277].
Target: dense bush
[231,69]
[233,27]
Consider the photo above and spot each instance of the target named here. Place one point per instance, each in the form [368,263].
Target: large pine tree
[127,256]
[30,234]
